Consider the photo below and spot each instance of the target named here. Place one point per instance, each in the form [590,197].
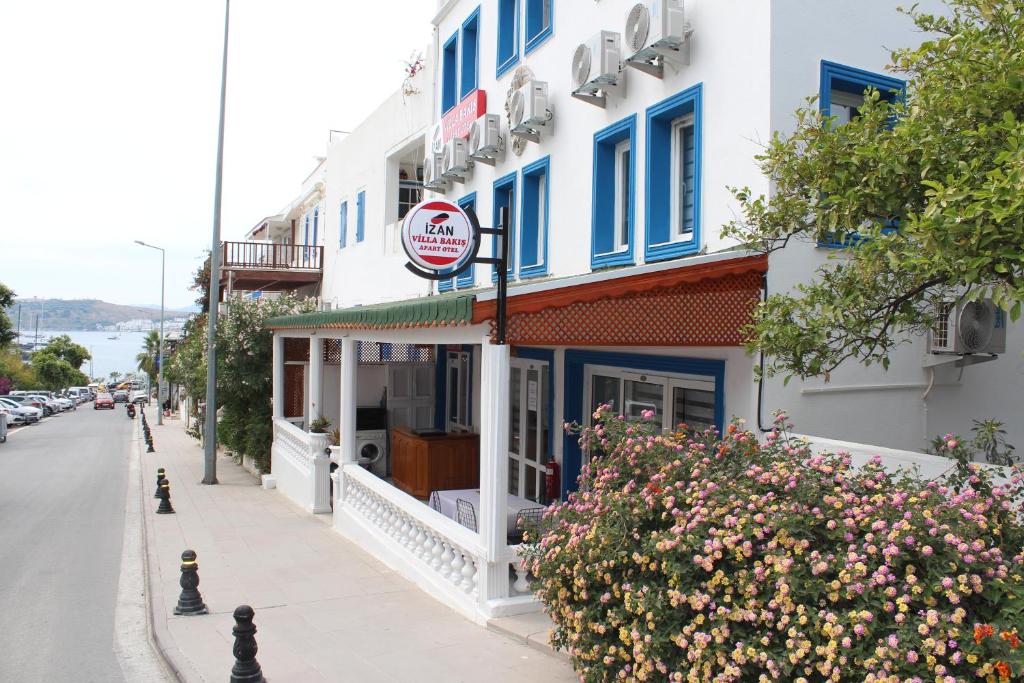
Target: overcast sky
[109,120]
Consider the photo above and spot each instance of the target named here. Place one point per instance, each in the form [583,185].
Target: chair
[527,521]
[435,501]
[465,514]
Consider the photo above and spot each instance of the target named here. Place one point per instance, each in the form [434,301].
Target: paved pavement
[62,485]
[325,610]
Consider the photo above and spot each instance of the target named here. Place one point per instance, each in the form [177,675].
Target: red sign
[437,235]
[456,123]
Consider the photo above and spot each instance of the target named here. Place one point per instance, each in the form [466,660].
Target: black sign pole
[503,275]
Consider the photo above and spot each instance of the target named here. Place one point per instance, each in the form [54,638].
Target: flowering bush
[694,557]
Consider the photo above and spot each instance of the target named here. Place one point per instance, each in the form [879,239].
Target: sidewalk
[325,610]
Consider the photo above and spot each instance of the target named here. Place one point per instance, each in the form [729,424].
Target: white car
[13,418]
[51,404]
[28,413]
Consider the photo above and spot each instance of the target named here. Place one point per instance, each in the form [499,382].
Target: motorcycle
[130,409]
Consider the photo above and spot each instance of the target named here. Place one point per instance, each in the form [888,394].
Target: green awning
[442,310]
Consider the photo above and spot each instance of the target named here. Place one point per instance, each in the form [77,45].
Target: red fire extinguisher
[551,481]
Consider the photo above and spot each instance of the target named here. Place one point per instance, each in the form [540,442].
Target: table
[515,504]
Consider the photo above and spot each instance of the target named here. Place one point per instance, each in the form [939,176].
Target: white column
[316,372]
[347,404]
[278,375]
[494,407]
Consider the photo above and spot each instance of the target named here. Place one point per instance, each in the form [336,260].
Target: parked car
[28,413]
[32,402]
[120,396]
[50,405]
[140,397]
[103,400]
[65,403]
[13,418]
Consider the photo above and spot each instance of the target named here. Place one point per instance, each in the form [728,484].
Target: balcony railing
[268,256]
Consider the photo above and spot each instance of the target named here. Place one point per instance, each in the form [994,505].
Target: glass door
[529,428]
[458,392]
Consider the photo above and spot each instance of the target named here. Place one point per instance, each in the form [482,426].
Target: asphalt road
[62,503]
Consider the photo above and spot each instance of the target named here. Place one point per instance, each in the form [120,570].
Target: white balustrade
[301,466]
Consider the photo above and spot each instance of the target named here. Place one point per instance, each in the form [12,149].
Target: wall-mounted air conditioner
[657,32]
[485,142]
[969,327]
[597,69]
[529,112]
[432,173]
[455,163]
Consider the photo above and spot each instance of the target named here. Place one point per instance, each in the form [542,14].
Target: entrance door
[673,398]
[529,428]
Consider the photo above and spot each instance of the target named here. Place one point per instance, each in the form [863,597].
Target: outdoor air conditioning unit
[528,111]
[485,142]
[432,177]
[455,163]
[597,69]
[969,327]
[657,32]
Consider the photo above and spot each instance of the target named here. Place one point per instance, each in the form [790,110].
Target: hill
[80,314]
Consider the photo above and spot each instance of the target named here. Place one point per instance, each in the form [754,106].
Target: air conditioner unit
[657,32]
[432,178]
[969,327]
[485,142]
[597,69]
[528,111]
[455,163]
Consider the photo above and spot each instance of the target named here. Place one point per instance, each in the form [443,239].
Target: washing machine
[372,440]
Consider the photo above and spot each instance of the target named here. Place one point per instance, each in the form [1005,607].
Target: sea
[111,351]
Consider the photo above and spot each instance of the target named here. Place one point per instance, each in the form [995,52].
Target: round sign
[438,235]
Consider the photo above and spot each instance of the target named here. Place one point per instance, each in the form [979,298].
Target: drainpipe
[760,382]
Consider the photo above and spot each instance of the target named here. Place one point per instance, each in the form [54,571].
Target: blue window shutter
[343,225]
[470,53]
[316,222]
[508,35]
[360,216]
[533,219]
[450,73]
[467,278]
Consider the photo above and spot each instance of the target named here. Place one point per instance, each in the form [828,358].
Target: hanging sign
[439,236]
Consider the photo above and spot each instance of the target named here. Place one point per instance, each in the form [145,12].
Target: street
[62,497]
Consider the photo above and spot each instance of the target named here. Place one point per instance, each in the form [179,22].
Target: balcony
[269,266]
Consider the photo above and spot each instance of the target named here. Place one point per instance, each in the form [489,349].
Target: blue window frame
[450,73]
[533,219]
[841,89]
[614,194]
[360,216]
[673,176]
[316,223]
[574,410]
[467,277]
[342,225]
[539,22]
[470,53]
[504,196]
[508,36]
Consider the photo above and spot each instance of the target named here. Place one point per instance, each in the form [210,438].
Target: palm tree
[114,376]
[147,358]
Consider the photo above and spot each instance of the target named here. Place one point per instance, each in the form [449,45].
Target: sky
[108,127]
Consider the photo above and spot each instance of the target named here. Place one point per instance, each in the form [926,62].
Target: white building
[621,287]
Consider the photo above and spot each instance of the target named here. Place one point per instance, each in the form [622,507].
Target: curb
[536,641]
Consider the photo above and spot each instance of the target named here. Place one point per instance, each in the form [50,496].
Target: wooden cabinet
[424,463]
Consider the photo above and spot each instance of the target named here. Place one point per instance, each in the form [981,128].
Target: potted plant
[319,426]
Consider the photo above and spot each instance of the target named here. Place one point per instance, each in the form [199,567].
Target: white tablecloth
[449,506]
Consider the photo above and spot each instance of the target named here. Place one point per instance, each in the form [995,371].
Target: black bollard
[151,449]
[165,499]
[190,601]
[160,473]
[246,668]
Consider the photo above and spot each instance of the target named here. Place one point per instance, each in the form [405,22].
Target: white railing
[441,555]
[300,466]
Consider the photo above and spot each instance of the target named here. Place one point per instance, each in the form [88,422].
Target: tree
[55,373]
[7,332]
[62,347]
[19,373]
[944,167]
[146,358]
[114,376]
[201,284]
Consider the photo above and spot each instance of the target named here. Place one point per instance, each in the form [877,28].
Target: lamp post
[160,351]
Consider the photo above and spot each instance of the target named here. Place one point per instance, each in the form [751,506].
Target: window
[343,225]
[673,176]
[460,379]
[508,35]
[467,277]
[533,228]
[410,190]
[842,89]
[674,398]
[316,223]
[360,216]
[529,429]
[470,53]
[614,188]
[505,197]
[305,229]
[538,23]
[450,73]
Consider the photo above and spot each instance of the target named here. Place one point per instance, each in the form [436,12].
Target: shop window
[613,194]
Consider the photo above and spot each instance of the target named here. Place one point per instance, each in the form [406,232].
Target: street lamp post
[160,351]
